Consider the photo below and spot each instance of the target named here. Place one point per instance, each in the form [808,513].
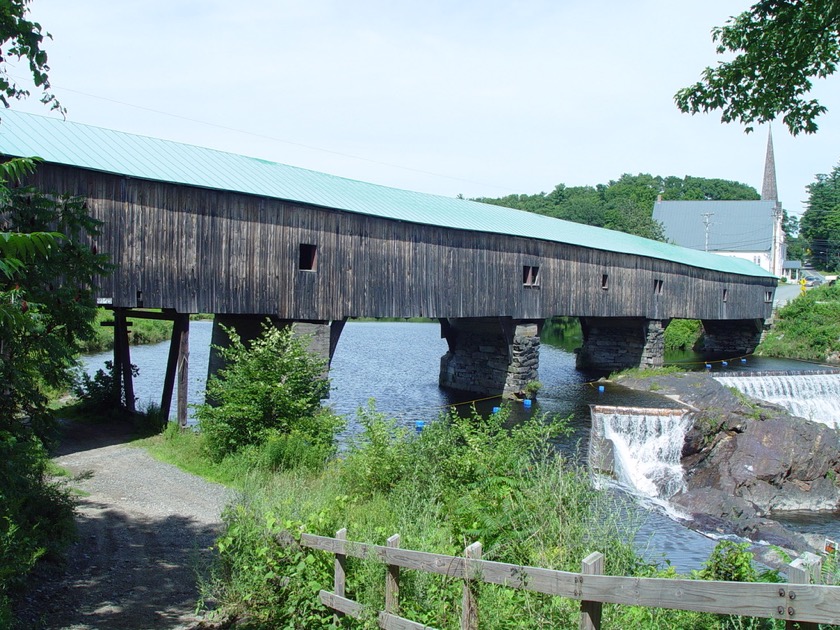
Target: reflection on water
[398,365]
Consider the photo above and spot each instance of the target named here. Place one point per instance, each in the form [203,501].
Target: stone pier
[618,343]
[732,338]
[490,355]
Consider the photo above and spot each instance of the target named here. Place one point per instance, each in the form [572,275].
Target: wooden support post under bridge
[123,381]
[178,360]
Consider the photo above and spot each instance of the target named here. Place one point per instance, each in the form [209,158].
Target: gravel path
[145,532]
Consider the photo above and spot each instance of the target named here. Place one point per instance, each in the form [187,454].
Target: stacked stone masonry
[488,357]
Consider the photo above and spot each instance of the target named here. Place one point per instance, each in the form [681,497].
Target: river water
[397,364]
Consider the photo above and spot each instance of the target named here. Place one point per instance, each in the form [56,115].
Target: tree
[625,204]
[47,275]
[820,224]
[794,241]
[269,391]
[780,47]
[23,39]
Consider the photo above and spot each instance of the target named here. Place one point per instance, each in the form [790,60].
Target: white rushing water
[814,397]
[645,445]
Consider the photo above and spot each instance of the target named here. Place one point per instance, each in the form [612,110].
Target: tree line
[625,204]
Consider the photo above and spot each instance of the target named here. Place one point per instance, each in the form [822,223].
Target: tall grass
[459,481]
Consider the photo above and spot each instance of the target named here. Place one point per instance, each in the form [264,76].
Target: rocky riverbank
[745,460]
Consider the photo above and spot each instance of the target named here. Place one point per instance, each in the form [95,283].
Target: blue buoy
[724,363]
[419,425]
[601,389]
[496,409]
[743,360]
[527,403]
[708,366]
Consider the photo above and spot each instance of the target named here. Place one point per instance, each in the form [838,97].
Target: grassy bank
[461,480]
[807,328]
[141,331]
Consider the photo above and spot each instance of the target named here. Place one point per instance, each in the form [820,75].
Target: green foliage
[461,479]
[682,334]
[648,373]
[142,331]
[46,306]
[820,224]
[36,515]
[531,389]
[98,394]
[22,39]
[271,387]
[626,204]
[563,332]
[730,562]
[807,327]
[780,46]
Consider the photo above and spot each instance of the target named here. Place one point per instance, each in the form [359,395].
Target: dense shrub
[807,327]
[272,387]
[682,334]
[98,393]
[462,479]
[36,515]
[47,279]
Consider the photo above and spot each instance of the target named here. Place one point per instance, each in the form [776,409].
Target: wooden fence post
[392,581]
[590,612]
[800,572]
[340,578]
[469,607]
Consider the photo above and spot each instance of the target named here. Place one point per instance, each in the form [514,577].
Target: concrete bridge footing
[618,343]
[490,355]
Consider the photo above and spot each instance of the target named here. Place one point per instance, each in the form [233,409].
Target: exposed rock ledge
[746,459]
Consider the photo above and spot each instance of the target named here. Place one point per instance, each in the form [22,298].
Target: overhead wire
[281,140]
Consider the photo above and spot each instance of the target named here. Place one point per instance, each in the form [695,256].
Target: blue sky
[477,98]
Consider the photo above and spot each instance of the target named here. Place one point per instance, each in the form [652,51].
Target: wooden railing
[797,601]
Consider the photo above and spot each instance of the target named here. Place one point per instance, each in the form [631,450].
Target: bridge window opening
[768,296]
[530,276]
[657,287]
[605,282]
[725,294]
[308,258]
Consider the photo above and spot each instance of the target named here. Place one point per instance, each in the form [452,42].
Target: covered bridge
[198,230]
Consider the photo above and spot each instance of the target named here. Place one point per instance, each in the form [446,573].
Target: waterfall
[814,396]
[642,447]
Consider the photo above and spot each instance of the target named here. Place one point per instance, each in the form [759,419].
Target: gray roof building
[741,229]
[725,226]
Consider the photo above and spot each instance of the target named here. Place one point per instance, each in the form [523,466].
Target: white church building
[742,229]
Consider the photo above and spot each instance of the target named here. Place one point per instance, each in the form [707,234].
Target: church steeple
[768,186]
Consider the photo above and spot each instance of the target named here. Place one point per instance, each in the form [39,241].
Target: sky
[475,98]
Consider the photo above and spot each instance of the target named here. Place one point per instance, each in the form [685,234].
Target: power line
[281,140]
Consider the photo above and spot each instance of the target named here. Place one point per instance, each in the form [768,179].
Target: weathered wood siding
[199,250]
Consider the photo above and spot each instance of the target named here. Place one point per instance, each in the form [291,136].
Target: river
[397,364]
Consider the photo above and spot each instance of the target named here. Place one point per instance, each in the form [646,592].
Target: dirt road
[145,531]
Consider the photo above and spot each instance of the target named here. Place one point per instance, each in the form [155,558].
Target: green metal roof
[83,146]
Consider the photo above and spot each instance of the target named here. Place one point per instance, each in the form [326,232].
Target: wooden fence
[800,603]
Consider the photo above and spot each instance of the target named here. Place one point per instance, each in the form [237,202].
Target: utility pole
[707,221]
[776,259]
